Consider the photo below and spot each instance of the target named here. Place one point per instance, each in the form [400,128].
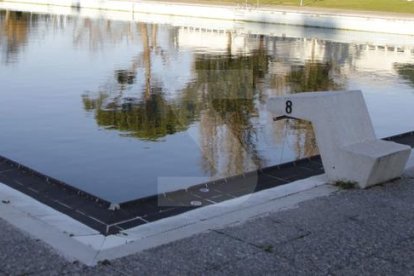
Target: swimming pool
[125,109]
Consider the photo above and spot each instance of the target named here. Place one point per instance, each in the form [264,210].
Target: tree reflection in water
[319,71]
[223,99]
[150,116]
[312,76]
[406,71]
[14,31]
[226,101]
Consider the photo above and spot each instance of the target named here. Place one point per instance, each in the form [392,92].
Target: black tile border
[109,219]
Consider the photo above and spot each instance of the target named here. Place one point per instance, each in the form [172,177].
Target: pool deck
[347,232]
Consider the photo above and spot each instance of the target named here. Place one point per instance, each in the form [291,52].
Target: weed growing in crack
[345,184]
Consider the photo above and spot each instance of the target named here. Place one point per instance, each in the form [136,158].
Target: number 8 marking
[289,106]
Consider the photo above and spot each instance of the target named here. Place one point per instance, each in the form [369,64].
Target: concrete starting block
[345,136]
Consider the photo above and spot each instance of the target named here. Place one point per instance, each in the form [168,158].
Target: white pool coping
[76,241]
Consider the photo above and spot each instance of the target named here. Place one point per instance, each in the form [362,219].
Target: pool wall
[371,22]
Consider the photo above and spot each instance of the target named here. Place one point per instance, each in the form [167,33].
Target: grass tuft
[346,185]
[268,248]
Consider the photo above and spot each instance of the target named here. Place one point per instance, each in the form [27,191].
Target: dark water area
[127,109]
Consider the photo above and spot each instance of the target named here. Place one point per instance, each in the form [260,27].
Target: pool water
[125,109]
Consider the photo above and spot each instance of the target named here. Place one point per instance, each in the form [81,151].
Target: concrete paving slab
[21,254]
[334,246]
[329,211]
[265,233]
[401,255]
[77,269]
[158,261]
[382,204]
[194,255]
[374,266]
[262,263]
[389,220]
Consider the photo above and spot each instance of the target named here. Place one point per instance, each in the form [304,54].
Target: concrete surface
[350,232]
[345,135]
[347,20]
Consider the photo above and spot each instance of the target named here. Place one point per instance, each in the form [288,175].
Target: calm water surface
[126,109]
